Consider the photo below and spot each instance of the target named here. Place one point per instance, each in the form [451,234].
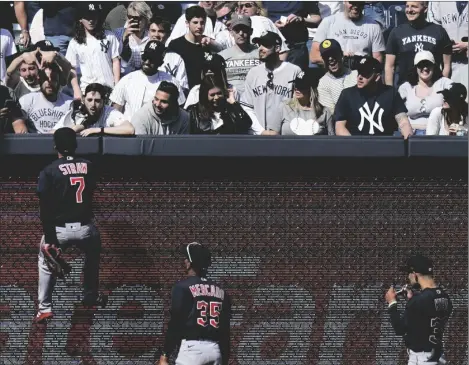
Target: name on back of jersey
[74,168]
[207,290]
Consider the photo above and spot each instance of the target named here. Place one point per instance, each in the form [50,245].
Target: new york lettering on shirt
[284,91]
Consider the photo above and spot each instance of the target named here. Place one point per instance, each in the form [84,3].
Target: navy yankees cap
[368,65]
[456,92]
[86,9]
[419,264]
[65,140]
[198,254]
[306,79]
[268,39]
[153,50]
[328,46]
[213,62]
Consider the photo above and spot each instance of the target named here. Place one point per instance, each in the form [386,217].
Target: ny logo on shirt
[105,45]
[365,113]
[418,47]
[172,71]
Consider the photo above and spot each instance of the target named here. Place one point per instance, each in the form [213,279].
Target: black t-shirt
[405,41]
[424,319]
[193,56]
[65,190]
[200,310]
[370,113]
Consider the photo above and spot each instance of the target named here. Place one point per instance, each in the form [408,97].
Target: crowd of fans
[246,67]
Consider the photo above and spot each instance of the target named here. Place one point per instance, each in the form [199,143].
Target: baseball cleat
[100,301]
[41,317]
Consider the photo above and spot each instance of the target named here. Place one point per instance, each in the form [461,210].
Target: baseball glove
[55,263]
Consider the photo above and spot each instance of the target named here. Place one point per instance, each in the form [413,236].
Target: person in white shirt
[93,50]
[212,25]
[337,78]
[91,116]
[134,35]
[45,108]
[446,120]
[7,48]
[421,93]
[139,87]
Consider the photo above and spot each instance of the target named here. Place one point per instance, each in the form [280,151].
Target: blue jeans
[309,45]
[376,12]
[60,41]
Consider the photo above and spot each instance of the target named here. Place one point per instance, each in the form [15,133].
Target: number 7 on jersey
[81,186]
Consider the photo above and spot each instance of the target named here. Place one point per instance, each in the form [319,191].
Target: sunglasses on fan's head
[247,6]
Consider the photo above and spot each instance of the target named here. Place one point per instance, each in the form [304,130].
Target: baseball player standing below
[269,84]
[65,192]
[200,315]
[425,315]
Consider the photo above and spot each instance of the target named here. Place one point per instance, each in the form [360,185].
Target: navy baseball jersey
[200,310]
[424,320]
[65,191]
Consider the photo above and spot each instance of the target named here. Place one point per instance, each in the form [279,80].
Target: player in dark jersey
[65,191]
[200,315]
[427,310]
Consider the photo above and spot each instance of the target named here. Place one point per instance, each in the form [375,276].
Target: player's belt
[190,338]
[83,223]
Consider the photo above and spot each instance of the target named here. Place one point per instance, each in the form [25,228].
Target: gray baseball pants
[199,353]
[87,239]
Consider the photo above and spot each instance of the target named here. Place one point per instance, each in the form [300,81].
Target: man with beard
[337,78]
[163,115]
[92,116]
[243,56]
[417,35]
[268,84]
[139,87]
[357,34]
[46,107]
[380,105]
[22,72]
[193,45]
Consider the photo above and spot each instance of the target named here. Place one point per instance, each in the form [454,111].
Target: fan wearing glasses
[200,314]
[371,108]
[269,84]
[421,92]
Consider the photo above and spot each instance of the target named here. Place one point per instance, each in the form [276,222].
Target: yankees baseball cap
[457,92]
[328,46]
[65,140]
[419,264]
[268,39]
[305,80]
[423,56]
[213,62]
[154,50]
[368,65]
[198,254]
[44,45]
[239,19]
[86,9]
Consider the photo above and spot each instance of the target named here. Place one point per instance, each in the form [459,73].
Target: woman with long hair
[303,114]
[94,50]
[421,92]
[217,111]
[449,118]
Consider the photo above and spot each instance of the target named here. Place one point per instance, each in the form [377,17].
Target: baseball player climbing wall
[306,260]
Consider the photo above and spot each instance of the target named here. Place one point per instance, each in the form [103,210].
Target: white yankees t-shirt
[7,48]
[136,89]
[43,115]
[110,117]
[94,59]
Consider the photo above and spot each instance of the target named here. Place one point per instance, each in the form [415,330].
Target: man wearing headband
[200,314]
[139,87]
[46,107]
[371,108]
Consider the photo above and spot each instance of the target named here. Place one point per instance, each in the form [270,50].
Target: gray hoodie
[146,121]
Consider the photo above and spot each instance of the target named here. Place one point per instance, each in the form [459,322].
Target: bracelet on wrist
[24,31]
